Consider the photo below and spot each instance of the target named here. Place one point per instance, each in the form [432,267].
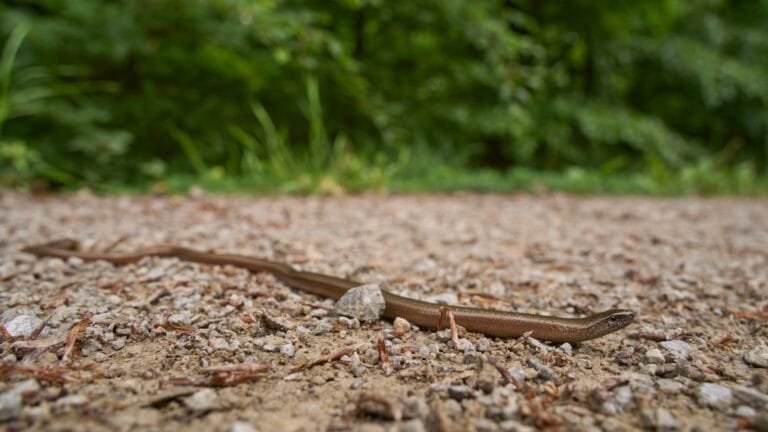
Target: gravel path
[169,345]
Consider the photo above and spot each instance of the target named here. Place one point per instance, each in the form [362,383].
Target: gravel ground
[169,345]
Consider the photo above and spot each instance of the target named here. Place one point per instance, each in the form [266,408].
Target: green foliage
[298,95]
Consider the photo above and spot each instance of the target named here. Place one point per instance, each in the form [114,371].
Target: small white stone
[201,401]
[757,356]
[401,325]
[241,426]
[366,303]
[654,356]
[287,349]
[22,325]
[715,396]
[678,349]
[669,386]
[745,411]
[665,421]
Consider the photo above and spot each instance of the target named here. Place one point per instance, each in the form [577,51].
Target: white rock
[22,325]
[366,303]
[201,401]
[758,356]
[654,356]
[745,411]
[715,396]
[11,402]
[241,426]
[669,386]
[678,349]
[287,349]
[665,421]
[401,325]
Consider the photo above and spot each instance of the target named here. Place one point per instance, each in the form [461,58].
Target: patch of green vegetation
[652,96]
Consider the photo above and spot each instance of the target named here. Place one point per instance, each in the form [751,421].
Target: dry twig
[72,337]
[330,357]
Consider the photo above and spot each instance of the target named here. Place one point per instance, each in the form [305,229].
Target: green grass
[446,179]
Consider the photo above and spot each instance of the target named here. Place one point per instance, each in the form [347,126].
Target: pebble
[655,356]
[22,325]
[452,408]
[202,400]
[219,344]
[669,386]
[566,348]
[745,411]
[322,327]
[677,349]
[350,323]
[241,426]
[544,372]
[514,426]
[10,404]
[465,345]
[74,400]
[287,349]
[415,408]
[715,396]
[380,406]
[665,421]
[414,425]
[750,396]
[459,392]
[365,302]
[485,425]
[757,356]
[356,365]
[445,298]
[401,325]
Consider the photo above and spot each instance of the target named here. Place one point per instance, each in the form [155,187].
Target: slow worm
[424,314]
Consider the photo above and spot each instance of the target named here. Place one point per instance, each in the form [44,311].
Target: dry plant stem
[508,378]
[383,356]
[35,334]
[424,314]
[330,357]
[6,335]
[454,330]
[72,337]
[50,373]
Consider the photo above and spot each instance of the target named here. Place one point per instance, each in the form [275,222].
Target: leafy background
[660,96]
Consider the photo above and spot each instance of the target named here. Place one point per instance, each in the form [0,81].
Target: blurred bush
[308,95]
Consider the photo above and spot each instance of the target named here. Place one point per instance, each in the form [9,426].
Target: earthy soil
[149,337]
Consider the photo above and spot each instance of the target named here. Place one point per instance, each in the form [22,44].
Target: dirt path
[695,270]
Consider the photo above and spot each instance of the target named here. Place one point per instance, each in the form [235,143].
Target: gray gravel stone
[22,325]
[655,356]
[202,401]
[10,405]
[287,349]
[745,411]
[366,303]
[485,425]
[514,426]
[414,425]
[715,396]
[11,402]
[241,426]
[669,386]
[459,392]
[758,356]
[401,325]
[665,421]
[679,350]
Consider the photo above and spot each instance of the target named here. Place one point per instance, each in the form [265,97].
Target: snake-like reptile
[424,314]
